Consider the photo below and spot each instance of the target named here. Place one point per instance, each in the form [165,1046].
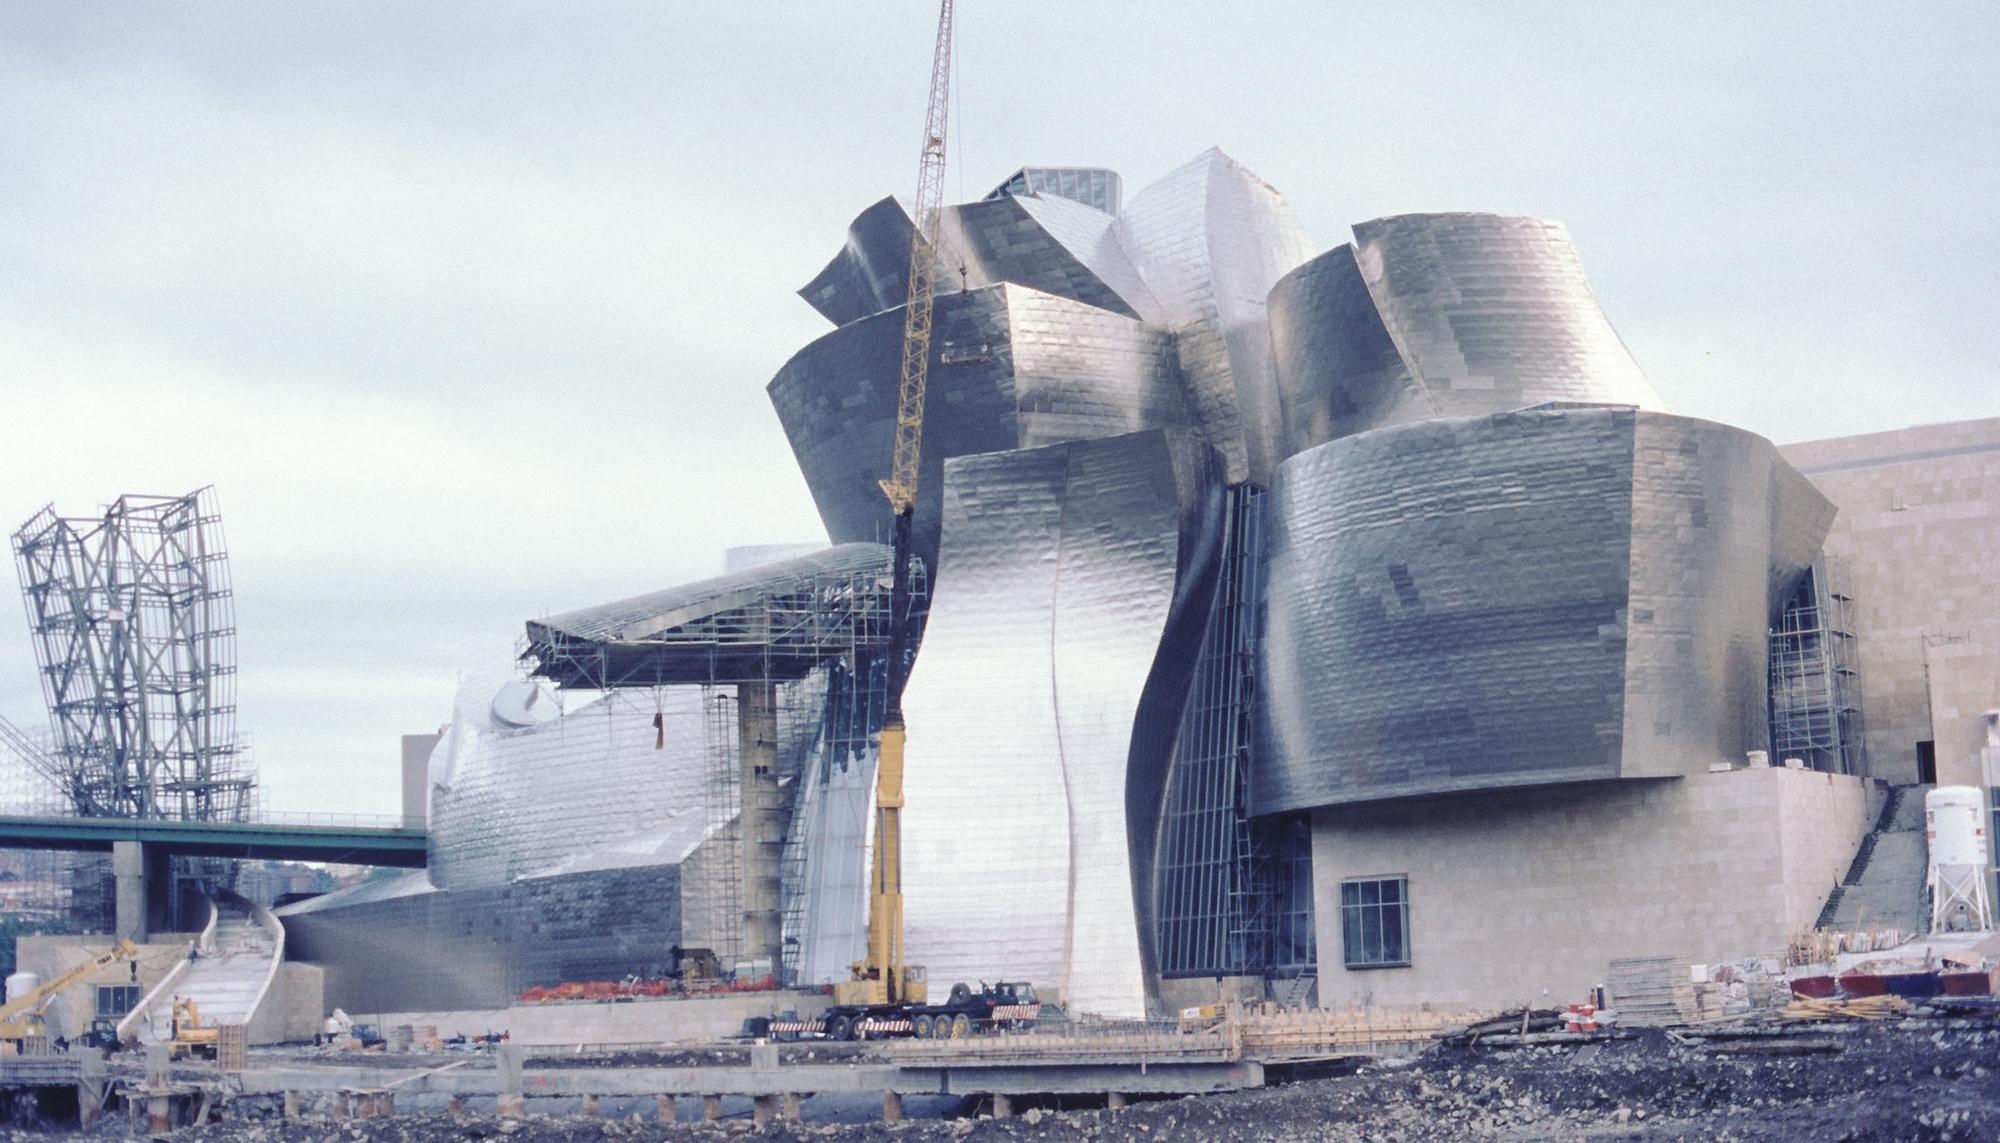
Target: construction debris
[1653,992]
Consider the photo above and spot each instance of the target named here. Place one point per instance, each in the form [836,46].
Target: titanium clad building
[1356,628]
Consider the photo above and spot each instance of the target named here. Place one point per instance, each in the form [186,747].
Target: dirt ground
[1919,1079]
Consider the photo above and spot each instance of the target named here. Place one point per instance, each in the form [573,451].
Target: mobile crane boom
[22,1015]
[882,977]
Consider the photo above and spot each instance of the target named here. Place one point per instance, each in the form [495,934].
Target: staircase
[1296,992]
[227,981]
[1884,887]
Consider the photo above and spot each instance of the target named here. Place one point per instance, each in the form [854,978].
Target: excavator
[21,1016]
[192,1038]
[887,996]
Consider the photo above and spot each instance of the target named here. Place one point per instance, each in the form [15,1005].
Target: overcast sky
[467,310]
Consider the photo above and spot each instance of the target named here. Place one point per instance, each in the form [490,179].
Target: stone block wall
[1523,897]
[1917,543]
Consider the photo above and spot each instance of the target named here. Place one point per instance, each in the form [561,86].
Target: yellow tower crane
[882,977]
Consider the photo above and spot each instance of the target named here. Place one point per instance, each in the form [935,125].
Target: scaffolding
[856,697]
[1814,663]
[718,879]
[776,650]
[134,631]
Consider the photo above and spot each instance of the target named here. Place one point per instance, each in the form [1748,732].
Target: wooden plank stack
[1652,991]
[1858,1008]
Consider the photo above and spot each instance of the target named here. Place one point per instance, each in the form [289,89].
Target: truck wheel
[841,1027]
[960,1027]
[922,1027]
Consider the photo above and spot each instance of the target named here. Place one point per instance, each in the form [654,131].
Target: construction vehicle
[886,995]
[191,1036]
[21,1016]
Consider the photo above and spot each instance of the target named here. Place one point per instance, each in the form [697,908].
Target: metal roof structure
[777,621]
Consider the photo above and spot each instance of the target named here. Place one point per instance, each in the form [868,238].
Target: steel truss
[134,631]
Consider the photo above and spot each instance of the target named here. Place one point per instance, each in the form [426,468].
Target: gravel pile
[1921,1080]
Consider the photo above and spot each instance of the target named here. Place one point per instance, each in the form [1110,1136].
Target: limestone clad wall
[1918,543]
[1525,896]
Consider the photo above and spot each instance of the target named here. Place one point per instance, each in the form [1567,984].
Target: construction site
[1246,691]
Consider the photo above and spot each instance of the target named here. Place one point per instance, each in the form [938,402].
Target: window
[1375,922]
[116,999]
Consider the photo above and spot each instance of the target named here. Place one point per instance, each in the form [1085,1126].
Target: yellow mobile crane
[887,996]
[21,1016]
[882,977]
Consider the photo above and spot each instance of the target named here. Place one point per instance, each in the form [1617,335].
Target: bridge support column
[143,880]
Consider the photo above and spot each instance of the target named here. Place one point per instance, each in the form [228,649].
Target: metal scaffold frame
[134,631]
[1814,676]
[801,639]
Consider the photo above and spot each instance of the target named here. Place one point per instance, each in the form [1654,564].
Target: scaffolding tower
[134,631]
[773,635]
[1814,665]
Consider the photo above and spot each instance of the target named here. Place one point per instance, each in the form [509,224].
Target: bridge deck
[396,845]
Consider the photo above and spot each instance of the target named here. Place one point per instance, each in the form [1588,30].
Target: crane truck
[21,1016]
[886,995]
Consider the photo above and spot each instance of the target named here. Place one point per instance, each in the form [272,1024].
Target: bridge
[140,848]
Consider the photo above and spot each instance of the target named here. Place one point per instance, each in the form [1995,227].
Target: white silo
[1955,824]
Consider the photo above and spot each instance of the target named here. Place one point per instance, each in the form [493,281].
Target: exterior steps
[226,981]
[1884,886]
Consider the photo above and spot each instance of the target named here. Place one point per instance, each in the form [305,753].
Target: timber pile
[1044,1045]
[1859,1008]
[1820,947]
[1331,1031]
[1653,991]
[1519,1024]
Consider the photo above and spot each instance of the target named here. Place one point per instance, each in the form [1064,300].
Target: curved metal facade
[1067,569]
[1211,239]
[1010,368]
[1534,597]
[1442,315]
[597,788]
[872,271]
[1049,244]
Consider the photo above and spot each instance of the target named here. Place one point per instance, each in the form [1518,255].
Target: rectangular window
[1375,922]
[116,999]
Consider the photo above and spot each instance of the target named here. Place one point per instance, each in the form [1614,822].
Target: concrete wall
[1526,896]
[652,1021]
[294,1007]
[50,956]
[1918,536]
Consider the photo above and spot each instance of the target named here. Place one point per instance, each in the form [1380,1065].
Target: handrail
[204,941]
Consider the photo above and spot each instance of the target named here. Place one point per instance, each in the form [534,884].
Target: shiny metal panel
[1063,569]
[1211,239]
[1010,367]
[1442,315]
[599,787]
[1534,597]
[1053,245]
[1338,370]
[872,271]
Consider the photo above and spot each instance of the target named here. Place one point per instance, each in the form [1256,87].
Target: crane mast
[883,977]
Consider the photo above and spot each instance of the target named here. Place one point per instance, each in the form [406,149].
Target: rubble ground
[1915,1080]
